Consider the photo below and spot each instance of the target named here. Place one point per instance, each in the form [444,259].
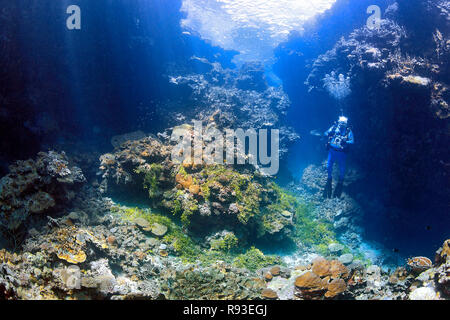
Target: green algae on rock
[253,259]
[222,248]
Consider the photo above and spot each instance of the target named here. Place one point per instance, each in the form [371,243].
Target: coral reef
[112,257]
[234,284]
[36,188]
[337,221]
[442,271]
[217,196]
[242,96]
[101,250]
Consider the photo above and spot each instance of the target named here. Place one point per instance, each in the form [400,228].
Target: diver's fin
[327,190]
[338,190]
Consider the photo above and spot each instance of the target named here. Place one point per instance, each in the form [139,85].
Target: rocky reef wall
[398,104]
[34,190]
[208,198]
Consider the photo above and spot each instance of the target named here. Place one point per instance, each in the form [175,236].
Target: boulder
[269,294]
[158,230]
[346,258]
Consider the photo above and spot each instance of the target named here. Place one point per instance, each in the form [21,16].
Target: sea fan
[337,86]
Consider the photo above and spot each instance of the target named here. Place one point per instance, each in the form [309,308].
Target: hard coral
[269,294]
[335,287]
[310,286]
[321,267]
[334,268]
[326,279]
[419,264]
[275,271]
[71,243]
[72,256]
[338,270]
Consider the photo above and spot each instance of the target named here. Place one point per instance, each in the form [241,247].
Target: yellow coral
[76,258]
[194,189]
[185,181]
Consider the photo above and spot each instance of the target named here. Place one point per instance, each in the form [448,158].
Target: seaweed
[152,173]
[254,259]
[227,244]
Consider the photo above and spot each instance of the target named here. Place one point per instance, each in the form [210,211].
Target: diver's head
[342,121]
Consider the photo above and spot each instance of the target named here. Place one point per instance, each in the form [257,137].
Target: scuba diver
[340,136]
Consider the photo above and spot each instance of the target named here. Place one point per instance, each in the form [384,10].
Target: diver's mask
[342,122]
